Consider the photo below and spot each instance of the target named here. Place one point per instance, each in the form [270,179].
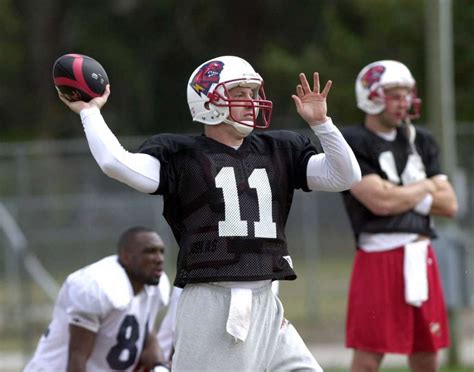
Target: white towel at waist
[415,272]
[240,309]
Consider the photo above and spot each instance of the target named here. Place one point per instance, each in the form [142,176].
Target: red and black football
[79,77]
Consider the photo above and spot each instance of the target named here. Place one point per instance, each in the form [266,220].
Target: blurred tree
[463,21]
[149,49]
[40,30]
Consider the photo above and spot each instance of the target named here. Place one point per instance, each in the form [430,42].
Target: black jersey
[228,208]
[398,162]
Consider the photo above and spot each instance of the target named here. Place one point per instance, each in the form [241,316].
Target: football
[79,77]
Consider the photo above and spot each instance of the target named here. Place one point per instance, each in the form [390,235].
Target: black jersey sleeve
[162,147]
[304,149]
[359,141]
[429,150]
[297,149]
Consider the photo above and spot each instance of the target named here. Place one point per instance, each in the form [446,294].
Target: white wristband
[160,368]
[424,205]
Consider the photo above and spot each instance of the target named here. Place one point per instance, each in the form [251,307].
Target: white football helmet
[208,96]
[380,75]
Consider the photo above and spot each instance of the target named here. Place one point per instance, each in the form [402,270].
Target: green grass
[315,303]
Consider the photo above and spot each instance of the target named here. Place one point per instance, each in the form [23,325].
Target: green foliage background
[149,48]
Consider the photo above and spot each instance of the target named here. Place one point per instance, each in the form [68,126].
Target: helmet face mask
[375,78]
[220,98]
[209,99]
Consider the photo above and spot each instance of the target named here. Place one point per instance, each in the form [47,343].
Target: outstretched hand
[310,103]
[78,106]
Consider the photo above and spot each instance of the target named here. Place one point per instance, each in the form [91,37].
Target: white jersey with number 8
[100,298]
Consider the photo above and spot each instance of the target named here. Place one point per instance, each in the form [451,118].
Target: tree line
[149,49]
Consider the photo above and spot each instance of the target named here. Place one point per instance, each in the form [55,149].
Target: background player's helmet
[380,75]
[208,97]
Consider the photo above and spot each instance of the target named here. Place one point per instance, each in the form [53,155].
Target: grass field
[315,303]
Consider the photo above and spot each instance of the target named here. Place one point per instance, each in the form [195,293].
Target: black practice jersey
[228,208]
[398,162]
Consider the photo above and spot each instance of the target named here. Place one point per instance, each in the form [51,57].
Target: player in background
[396,304]
[227,195]
[104,314]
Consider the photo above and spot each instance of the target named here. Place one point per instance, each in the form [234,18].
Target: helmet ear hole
[206,105]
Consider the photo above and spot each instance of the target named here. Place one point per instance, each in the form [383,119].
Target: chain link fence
[70,214]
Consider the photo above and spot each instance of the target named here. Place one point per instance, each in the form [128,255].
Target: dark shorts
[378,318]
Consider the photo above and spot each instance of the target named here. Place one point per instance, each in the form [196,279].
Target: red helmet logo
[207,75]
[372,76]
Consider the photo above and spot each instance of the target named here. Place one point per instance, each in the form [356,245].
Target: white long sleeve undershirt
[335,170]
[139,171]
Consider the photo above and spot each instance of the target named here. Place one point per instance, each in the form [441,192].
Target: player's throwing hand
[78,106]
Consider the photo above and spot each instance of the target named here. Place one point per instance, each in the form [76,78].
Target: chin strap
[244,130]
[410,132]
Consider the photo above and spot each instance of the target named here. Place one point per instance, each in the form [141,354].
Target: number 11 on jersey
[233,224]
